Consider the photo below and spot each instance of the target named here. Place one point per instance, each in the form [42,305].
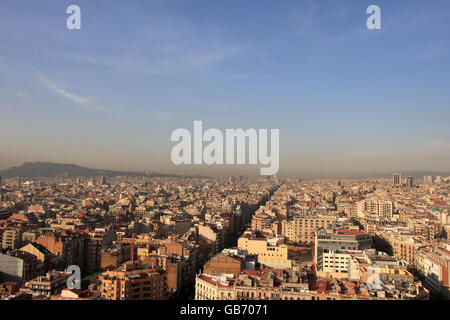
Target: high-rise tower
[397,179]
[410,182]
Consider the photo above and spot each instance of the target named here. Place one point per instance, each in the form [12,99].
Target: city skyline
[33,169]
[163,238]
[347,100]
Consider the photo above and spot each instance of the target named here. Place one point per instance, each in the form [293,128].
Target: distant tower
[275,179]
[0,181]
[397,179]
[428,179]
[410,182]
[102,181]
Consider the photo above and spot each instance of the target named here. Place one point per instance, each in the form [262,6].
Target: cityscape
[234,238]
[211,158]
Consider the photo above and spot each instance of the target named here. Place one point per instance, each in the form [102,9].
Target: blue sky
[346,99]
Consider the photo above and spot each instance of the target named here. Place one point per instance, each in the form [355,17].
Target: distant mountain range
[53,170]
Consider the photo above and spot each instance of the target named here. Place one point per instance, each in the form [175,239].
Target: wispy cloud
[160,61]
[51,85]
[205,59]
[16,93]
[167,46]
[83,102]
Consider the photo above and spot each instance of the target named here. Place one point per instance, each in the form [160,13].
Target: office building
[410,182]
[397,179]
[332,240]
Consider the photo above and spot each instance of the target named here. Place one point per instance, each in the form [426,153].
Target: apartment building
[64,246]
[271,251]
[336,262]
[75,294]
[133,281]
[271,284]
[12,238]
[213,234]
[302,229]
[115,255]
[177,269]
[18,266]
[381,208]
[224,263]
[266,284]
[261,221]
[436,268]
[43,255]
[50,284]
[328,241]
[406,248]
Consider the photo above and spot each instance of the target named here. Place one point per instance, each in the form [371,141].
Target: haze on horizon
[347,100]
